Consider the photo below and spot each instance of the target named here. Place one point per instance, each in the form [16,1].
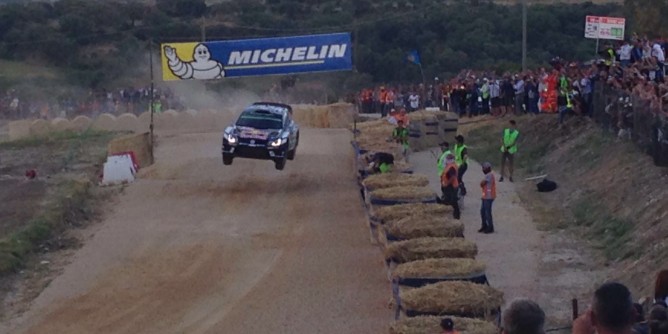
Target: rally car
[265,131]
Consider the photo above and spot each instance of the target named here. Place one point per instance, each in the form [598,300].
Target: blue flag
[413,57]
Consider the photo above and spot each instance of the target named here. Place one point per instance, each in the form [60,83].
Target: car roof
[274,105]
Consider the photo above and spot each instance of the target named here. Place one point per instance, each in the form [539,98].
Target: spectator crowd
[635,67]
[611,311]
[17,104]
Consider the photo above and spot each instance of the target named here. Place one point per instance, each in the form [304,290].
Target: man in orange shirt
[488,187]
[450,185]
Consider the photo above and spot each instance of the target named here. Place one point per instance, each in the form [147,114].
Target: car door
[293,130]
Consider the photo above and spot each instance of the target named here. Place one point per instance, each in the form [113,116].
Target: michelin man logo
[201,68]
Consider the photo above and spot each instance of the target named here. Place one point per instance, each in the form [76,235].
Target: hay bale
[395,212]
[40,127]
[19,129]
[139,144]
[340,115]
[185,121]
[389,180]
[82,123]
[439,268]
[430,248]
[408,194]
[453,297]
[128,122]
[432,324]
[424,225]
[144,120]
[105,122]
[61,124]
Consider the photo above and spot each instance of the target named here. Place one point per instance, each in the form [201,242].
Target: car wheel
[291,154]
[280,164]
[227,159]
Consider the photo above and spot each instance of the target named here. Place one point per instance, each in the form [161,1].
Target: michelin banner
[251,57]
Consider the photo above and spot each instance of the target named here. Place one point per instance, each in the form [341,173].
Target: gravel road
[197,247]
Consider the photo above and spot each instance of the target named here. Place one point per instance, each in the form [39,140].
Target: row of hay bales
[338,115]
[167,121]
[432,267]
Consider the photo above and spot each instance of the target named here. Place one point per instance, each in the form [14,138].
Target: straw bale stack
[388,180]
[439,268]
[403,194]
[395,212]
[40,127]
[128,122]
[453,297]
[105,122]
[424,225]
[137,143]
[19,129]
[430,248]
[432,324]
[82,123]
[61,124]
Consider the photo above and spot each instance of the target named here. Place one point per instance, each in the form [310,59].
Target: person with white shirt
[414,101]
[625,54]
[519,95]
[660,56]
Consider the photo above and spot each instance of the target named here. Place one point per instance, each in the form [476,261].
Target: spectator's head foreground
[523,316]
[612,309]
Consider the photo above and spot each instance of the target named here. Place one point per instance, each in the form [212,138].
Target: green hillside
[101,43]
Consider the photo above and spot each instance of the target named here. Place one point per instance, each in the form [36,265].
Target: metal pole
[524,35]
[152,99]
[596,53]
[203,28]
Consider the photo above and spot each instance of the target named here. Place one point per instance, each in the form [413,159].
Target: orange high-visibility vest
[489,189]
[445,181]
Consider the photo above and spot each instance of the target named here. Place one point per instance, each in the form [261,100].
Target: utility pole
[524,35]
[203,28]
[150,52]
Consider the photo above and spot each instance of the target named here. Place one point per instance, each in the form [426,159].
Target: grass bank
[570,156]
[67,166]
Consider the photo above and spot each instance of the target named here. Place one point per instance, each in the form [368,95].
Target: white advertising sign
[601,27]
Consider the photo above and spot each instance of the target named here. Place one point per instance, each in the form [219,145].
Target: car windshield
[260,119]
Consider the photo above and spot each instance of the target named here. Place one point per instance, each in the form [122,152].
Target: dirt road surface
[197,247]
[550,268]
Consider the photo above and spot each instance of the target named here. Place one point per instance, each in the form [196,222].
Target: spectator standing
[413,101]
[611,312]
[488,187]
[519,95]
[586,90]
[523,316]
[625,54]
[660,56]
[508,96]
[508,149]
[450,185]
[495,95]
[532,96]
[462,161]
[382,97]
[485,94]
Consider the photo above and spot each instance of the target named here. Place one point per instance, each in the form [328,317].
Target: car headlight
[232,139]
[278,142]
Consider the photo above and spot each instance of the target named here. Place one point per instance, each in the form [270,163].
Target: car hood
[245,132]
